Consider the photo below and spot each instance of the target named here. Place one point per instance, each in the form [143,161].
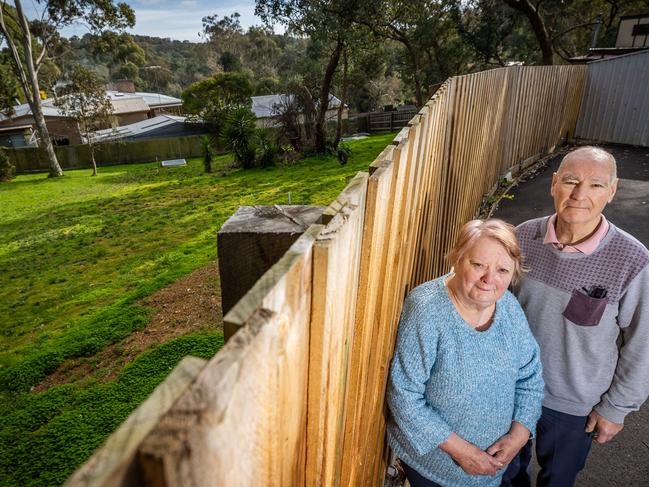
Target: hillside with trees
[367,53]
[393,50]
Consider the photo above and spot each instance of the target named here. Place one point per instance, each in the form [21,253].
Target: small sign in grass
[173,163]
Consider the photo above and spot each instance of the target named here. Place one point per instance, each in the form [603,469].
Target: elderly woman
[465,384]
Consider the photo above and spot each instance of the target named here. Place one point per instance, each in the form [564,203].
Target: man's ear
[613,190]
[555,178]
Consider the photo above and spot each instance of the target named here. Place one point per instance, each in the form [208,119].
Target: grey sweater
[595,352]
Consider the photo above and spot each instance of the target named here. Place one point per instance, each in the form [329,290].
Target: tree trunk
[92,159]
[308,108]
[414,60]
[44,135]
[320,139]
[343,99]
[538,26]
[29,84]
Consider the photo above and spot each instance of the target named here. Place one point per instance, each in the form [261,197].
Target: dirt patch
[190,304]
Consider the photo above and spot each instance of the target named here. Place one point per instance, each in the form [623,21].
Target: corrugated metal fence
[616,102]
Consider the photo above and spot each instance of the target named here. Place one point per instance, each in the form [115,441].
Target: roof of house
[162,125]
[49,110]
[150,99]
[264,106]
[605,53]
[122,103]
[15,128]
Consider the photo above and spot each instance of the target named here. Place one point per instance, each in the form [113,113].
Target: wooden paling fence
[296,397]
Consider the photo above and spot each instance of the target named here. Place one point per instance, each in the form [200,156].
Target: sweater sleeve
[411,367]
[630,385]
[529,382]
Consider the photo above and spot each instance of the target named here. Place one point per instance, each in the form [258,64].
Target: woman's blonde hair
[500,231]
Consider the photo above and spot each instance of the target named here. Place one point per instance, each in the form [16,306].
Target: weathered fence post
[251,241]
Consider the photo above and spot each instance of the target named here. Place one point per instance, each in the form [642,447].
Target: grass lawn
[77,256]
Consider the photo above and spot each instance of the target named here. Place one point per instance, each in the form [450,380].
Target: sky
[179,19]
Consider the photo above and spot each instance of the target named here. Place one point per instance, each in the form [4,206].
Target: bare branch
[574,27]
[46,44]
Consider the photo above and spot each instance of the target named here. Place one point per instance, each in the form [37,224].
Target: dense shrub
[7,169]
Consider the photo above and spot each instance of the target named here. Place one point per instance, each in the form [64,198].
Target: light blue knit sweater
[446,377]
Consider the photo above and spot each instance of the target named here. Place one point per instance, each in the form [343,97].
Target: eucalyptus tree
[85,101]
[565,29]
[432,47]
[123,55]
[328,24]
[29,45]
[212,99]
[495,34]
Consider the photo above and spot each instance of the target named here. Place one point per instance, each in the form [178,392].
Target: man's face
[581,189]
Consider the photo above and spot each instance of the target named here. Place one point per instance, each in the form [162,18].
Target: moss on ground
[77,255]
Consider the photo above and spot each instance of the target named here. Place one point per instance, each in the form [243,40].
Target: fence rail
[34,159]
[381,121]
[296,397]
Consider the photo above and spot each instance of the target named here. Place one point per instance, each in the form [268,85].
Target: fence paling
[337,247]
[246,418]
[419,216]
[372,268]
[385,312]
[330,307]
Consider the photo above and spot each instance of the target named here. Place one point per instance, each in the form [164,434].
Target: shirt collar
[588,246]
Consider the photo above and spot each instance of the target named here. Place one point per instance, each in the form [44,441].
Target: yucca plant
[238,136]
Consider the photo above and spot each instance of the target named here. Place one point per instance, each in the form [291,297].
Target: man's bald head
[591,153]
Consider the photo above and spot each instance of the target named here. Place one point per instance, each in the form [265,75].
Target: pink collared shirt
[586,247]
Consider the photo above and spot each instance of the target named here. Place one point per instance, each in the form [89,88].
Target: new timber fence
[296,396]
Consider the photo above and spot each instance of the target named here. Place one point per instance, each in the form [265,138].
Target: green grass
[77,255]
[45,436]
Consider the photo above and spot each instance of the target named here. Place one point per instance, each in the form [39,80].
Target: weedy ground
[81,260]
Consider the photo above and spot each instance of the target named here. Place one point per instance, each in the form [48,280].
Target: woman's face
[484,272]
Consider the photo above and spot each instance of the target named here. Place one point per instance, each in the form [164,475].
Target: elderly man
[586,297]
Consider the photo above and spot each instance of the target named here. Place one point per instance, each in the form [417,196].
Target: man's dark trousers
[562,446]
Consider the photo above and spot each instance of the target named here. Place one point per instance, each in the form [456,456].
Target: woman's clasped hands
[475,461]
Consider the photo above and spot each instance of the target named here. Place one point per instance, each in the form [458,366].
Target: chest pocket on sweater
[584,310]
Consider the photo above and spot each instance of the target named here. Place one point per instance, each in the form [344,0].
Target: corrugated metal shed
[615,107]
[157,127]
